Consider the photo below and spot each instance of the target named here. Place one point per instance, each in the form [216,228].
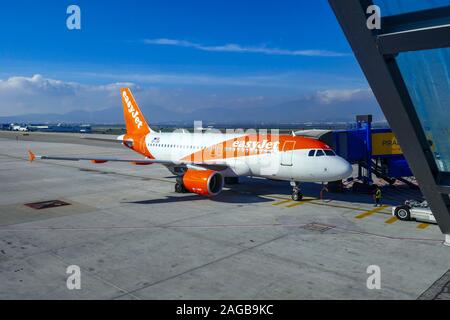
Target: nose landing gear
[297,195]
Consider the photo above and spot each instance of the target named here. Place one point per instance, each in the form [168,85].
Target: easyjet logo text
[258,145]
[134,113]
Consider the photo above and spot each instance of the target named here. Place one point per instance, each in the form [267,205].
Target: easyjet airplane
[203,161]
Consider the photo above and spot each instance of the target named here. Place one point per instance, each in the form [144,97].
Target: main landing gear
[179,187]
[296,192]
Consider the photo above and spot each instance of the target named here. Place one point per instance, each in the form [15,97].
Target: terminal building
[73,128]
[406,60]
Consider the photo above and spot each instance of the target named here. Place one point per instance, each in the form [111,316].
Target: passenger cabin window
[311,153]
[330,153]
[320,153]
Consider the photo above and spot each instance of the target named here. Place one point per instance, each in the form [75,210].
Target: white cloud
[196,79]
[37,83]
[330,96]
[37,94]
[231,47]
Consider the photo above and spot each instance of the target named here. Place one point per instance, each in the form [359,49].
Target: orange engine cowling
[98,161]
[203,182]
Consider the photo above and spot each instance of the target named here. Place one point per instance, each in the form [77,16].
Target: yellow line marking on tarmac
[316,202]
[281,202]
[391,220]
[296,204]
[423,226]
[370,212]
[336,206]
[328,204]
[276,197]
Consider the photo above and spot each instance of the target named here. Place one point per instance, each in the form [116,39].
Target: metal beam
[444,180]
[415,20]
[414,40]
[444,189]
[390,90]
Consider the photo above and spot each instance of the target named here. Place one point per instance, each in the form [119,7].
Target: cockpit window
[311,153]
[330,153]
[320,153]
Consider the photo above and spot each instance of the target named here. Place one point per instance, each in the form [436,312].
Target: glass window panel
[427,77]
[394,7]
[320,153]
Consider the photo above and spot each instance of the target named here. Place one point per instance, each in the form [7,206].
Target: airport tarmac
[134,238]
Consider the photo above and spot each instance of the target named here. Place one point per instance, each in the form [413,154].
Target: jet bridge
[375,151]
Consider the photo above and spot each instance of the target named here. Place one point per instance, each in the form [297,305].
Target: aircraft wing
[103,139]
[119,139]
[137,161]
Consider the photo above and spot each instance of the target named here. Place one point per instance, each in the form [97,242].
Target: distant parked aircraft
[20,128]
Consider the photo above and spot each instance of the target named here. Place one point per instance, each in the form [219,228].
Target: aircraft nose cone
[345,169]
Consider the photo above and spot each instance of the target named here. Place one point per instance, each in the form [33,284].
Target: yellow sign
[385,144]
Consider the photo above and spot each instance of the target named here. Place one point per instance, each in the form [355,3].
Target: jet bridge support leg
[447,240]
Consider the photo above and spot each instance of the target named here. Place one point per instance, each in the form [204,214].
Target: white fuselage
[276,157]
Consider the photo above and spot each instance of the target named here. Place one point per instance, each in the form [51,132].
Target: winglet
[31,156]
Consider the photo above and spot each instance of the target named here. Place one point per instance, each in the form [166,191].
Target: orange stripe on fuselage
[251,145]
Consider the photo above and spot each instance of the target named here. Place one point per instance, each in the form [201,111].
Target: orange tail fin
[31,156]
[134,119]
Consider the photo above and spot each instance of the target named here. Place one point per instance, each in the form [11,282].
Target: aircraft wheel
[179,188]
[297,196]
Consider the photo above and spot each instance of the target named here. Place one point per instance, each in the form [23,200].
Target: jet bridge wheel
[403,213]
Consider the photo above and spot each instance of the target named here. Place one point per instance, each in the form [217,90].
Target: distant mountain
[106,116]
[111,115]
[308,109]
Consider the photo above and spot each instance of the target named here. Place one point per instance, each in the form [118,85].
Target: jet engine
[203,182]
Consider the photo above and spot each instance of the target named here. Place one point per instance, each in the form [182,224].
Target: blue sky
[181,55]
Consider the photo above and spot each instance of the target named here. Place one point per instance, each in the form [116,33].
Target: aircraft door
[287,153]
